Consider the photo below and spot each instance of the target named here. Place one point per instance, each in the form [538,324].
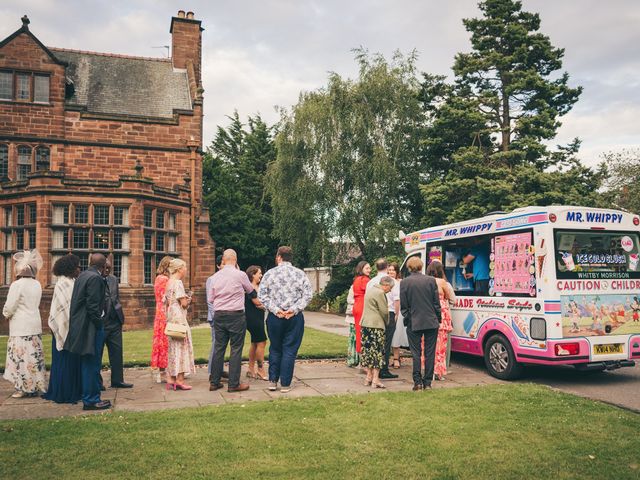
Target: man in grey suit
[113,320]
[86,329]
[420,306]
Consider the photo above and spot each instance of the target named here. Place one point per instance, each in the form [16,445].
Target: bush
[341,279]
[318,302]
[339,304]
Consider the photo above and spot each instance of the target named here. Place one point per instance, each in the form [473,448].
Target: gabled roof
[110,84]
[121,85]
[25,29]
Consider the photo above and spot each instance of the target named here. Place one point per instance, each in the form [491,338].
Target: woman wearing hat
[24,366]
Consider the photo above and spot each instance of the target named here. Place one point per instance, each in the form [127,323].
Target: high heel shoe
[378,385]
[367,383]
[182,386]
[170,386]
[262,376]
[251,374]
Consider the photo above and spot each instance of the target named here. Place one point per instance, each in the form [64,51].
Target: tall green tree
[488,131]
[513,74]
[622,172]
[347,167]
[234,170]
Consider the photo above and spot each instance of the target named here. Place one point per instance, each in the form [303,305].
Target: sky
[260,54]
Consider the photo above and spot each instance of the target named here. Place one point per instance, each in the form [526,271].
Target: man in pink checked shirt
[226,293]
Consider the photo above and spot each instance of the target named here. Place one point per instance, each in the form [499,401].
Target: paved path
[320,378]
[312,378]
[326,322]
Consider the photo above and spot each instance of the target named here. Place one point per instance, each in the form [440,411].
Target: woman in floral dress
[445,291]
[180,351]
[160,343]
[24,366]
[363,269]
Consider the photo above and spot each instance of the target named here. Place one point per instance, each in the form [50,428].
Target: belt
[228,311]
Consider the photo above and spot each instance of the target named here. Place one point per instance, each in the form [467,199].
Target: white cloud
[261,53]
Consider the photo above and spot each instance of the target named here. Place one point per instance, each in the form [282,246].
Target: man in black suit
[86,329]
[420,306]
[113,320]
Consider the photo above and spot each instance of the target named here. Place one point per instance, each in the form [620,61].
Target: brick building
[102,153]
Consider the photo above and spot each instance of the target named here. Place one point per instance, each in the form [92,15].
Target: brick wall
[96,159]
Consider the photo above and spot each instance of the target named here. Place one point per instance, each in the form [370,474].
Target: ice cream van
[556,285]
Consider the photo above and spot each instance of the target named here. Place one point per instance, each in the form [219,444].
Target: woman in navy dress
[65,378]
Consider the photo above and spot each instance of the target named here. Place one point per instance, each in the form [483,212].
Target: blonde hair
[414,264]
[163,266]
[175,265]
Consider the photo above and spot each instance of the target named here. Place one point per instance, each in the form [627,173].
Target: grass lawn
[500,431]
[137,346]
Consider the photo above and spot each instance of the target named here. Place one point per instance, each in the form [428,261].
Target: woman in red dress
[160,342]
[363,269]
[447,297]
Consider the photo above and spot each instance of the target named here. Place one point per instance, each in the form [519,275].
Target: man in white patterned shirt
[284,291]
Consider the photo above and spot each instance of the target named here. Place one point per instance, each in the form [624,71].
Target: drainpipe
[192,145]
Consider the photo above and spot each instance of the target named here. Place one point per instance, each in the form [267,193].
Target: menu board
[512,264]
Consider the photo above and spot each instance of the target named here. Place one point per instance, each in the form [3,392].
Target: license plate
[607,349]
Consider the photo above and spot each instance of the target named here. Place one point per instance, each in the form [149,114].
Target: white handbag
[176,330]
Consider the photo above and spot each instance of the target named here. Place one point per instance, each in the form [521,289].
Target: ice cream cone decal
[541,255]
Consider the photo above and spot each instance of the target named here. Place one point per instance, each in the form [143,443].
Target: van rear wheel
[500,359]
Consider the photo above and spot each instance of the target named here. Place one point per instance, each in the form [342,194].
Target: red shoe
[171,386]
[182,386]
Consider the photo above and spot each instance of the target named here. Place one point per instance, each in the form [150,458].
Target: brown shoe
[215,386]
[240,388]
[417,387]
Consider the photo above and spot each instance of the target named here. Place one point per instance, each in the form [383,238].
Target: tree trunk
[505,124]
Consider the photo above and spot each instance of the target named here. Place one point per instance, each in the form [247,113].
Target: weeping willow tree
[346,168]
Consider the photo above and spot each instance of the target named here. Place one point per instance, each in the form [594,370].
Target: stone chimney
[186,43]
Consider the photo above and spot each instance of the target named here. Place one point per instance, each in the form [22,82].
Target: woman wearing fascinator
[24,366]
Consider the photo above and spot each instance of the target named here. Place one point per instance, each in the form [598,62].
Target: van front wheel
[500,359]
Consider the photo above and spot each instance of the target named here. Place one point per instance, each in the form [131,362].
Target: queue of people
[86,315]
[386,313]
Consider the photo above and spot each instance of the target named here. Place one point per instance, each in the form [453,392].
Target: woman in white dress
[180,353]
[400,335]
[24,366]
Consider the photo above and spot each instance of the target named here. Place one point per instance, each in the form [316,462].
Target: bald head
[229,257]
[98,261]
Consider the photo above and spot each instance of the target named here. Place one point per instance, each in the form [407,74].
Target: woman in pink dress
[363,269]
[160,343]
[447,297]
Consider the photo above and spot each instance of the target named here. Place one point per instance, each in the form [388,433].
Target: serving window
[501,265]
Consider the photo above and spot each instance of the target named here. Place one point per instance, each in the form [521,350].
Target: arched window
[4,162]
[24,162]
[43,158]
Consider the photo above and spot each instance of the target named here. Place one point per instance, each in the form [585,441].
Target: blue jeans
[285,337]
[91,365]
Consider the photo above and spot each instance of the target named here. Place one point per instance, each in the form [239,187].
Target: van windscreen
[597,254]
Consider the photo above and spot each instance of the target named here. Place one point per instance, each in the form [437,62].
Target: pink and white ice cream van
[555,285]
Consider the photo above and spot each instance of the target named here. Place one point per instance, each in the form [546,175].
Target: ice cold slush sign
[593,217]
